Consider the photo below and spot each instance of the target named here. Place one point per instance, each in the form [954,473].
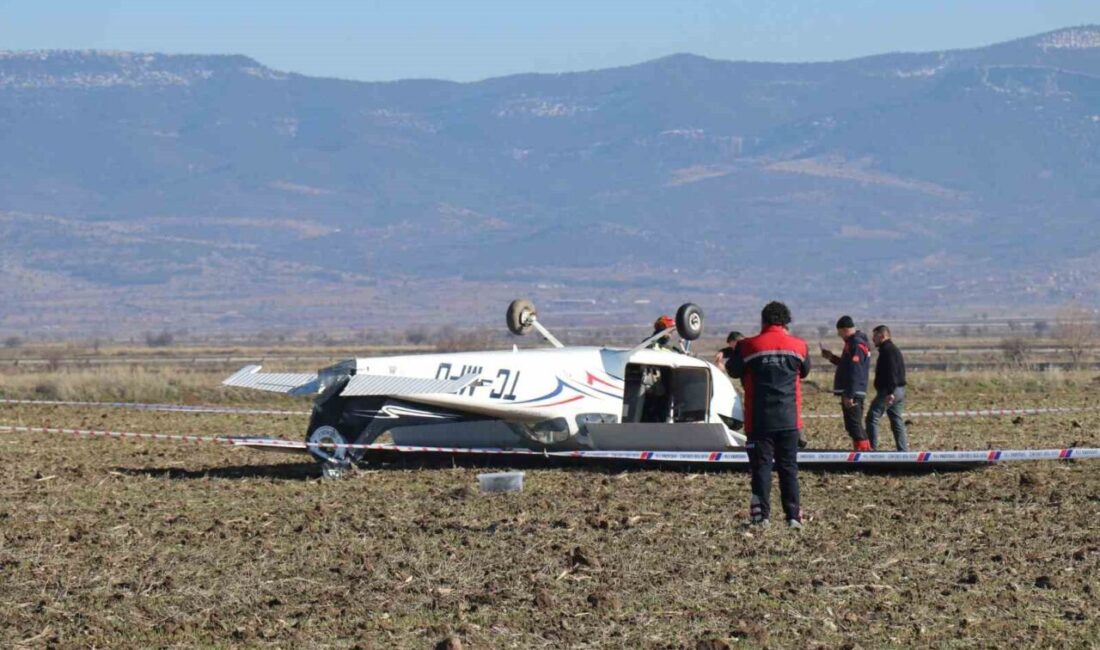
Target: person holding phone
[853,369]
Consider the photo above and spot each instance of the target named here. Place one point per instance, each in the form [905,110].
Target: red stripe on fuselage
[564,401]
[594,378]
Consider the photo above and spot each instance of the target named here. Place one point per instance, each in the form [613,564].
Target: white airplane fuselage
[532,386]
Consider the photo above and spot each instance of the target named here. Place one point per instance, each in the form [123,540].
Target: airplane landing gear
[330,471]
[324,445]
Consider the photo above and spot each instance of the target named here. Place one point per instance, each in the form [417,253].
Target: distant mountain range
[143,191]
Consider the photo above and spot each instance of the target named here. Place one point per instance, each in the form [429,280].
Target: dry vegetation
[108,543]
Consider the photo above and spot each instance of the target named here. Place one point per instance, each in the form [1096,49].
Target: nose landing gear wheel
[324,441]
[689,321]
[520,316]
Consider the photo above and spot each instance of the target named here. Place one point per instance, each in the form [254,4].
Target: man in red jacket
[771,367]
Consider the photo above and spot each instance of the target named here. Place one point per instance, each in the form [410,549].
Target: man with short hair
[771,367]
[723,355]
[889,389]
[853,367]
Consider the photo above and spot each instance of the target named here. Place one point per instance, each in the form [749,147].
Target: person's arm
[722,356]
[735,363]
[850,358]
[888,371]
[860,359]
[828,354]
[899,373]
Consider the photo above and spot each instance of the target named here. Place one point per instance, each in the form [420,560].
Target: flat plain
[109,543]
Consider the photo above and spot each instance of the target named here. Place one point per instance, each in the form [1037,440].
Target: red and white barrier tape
[232,410]
[92,433]
[974,413]
[169,408]
[734,457]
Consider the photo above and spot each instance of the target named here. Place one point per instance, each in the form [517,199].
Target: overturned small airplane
[554,399]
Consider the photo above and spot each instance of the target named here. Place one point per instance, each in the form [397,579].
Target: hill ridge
[219,193]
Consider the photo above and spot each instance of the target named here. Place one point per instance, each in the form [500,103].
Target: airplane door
[655,394]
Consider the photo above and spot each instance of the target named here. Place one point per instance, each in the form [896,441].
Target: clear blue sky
[473,39]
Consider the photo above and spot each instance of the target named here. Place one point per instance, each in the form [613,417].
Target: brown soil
[107,543]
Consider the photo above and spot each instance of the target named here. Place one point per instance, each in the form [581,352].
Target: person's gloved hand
[802,441]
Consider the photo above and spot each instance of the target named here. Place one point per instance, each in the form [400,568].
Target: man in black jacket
[853,367]
[889,389]
[723,355]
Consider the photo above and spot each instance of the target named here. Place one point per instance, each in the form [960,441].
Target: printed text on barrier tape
[170,408]
[989,455]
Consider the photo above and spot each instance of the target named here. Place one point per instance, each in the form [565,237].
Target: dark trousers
[781,449]
[853,419]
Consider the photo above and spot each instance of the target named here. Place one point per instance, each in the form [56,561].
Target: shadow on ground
[308,470]
[297,471]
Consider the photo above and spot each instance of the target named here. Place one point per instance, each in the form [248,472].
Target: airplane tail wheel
[323,441]
[520,316]
[689,321]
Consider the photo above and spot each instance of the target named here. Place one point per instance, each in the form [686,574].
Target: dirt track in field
[137,544]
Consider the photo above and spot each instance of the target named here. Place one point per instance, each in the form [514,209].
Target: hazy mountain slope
[955,177]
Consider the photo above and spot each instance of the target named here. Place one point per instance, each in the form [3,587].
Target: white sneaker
[794,523]
[763,523]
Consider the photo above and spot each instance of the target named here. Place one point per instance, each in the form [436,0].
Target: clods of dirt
[543,599]
[971,577]
[604,601]
[1028,479]
[580,557]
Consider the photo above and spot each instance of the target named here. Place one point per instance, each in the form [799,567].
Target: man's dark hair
[845,322]
[775,313]
[733,336]
[882,329]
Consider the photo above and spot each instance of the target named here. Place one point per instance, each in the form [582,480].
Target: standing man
[723,355]
[889,389]
[853,366]
[771,367]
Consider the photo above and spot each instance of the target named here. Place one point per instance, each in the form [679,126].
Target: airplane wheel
[519,316]
[324,436]
[689,321]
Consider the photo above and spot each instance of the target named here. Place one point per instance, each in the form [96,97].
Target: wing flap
[363,385]
[289,383]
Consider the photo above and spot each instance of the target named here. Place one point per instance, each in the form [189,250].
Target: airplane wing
[361,385]
[358,386]
[289,383]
